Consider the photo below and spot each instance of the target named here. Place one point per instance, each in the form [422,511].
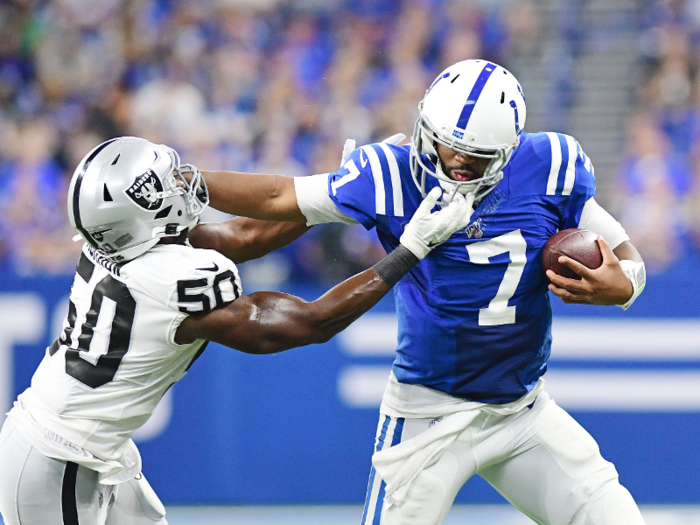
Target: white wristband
[636,273]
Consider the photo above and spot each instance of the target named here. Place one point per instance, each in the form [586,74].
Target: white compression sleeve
[597,220]
[315,203]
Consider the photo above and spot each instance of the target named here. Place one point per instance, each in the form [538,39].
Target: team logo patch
[145,191]
[474,230]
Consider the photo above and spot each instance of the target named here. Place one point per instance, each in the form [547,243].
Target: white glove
[427,230]
[350,146]
[394,140]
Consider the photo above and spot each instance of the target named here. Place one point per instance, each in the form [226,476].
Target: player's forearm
[242,239]
[343,304]
[286,322]
[282,321]
[627,251]
[268,197]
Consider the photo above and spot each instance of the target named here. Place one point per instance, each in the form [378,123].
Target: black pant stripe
[69,505]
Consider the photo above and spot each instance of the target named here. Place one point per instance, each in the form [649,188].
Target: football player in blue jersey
[466,394]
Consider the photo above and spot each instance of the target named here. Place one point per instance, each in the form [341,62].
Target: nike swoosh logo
[363,160]
[214,268]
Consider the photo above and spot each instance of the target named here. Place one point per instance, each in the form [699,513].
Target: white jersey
[103,377]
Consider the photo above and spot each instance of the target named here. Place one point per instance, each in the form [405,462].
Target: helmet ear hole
[106,195]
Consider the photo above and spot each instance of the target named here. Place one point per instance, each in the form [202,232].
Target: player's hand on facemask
[350,146]
[428,230]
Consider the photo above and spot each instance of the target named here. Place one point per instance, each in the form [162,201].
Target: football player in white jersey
[466,394]
[142,307]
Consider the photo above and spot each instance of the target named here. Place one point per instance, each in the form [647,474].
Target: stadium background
[276,86]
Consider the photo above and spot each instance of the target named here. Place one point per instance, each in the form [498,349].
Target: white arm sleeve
[597,220]
[315,203]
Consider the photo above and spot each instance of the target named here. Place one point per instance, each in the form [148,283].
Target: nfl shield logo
[474,230]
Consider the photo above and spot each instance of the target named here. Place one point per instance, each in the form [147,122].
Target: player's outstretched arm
[269,322]
[242,239]
[611,284]
[268,197]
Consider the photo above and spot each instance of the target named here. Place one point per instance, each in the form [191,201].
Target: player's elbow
[274,344]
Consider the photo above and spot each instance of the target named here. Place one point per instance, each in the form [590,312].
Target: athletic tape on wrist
[395,265]
[636,273]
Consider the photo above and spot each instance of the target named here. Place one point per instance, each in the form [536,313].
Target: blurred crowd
[657,188]
[276,86]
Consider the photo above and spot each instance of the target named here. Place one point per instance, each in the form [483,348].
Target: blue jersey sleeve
[369,186]
[583,187]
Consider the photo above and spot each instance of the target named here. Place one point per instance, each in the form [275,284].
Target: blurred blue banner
[298,427]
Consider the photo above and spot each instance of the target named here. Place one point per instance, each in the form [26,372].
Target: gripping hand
[428,230]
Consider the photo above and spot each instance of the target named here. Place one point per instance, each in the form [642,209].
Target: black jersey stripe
[76,193]
[85,268]
[69,505]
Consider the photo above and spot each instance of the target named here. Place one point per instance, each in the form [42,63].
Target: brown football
[579,245]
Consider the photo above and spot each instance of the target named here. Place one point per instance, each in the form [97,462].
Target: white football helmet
[128,193]
[474,107]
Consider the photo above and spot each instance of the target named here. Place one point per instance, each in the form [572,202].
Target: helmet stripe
[76,193]
[474,95]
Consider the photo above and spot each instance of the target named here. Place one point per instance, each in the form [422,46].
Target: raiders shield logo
[146,190]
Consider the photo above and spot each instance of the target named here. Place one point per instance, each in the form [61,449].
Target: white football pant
[540,459]
[38,490]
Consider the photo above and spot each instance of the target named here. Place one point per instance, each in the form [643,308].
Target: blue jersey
[474,315]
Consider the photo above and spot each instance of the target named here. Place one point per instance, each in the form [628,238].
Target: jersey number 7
[498,312]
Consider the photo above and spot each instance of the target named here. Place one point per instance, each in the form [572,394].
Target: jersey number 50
[88,363]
